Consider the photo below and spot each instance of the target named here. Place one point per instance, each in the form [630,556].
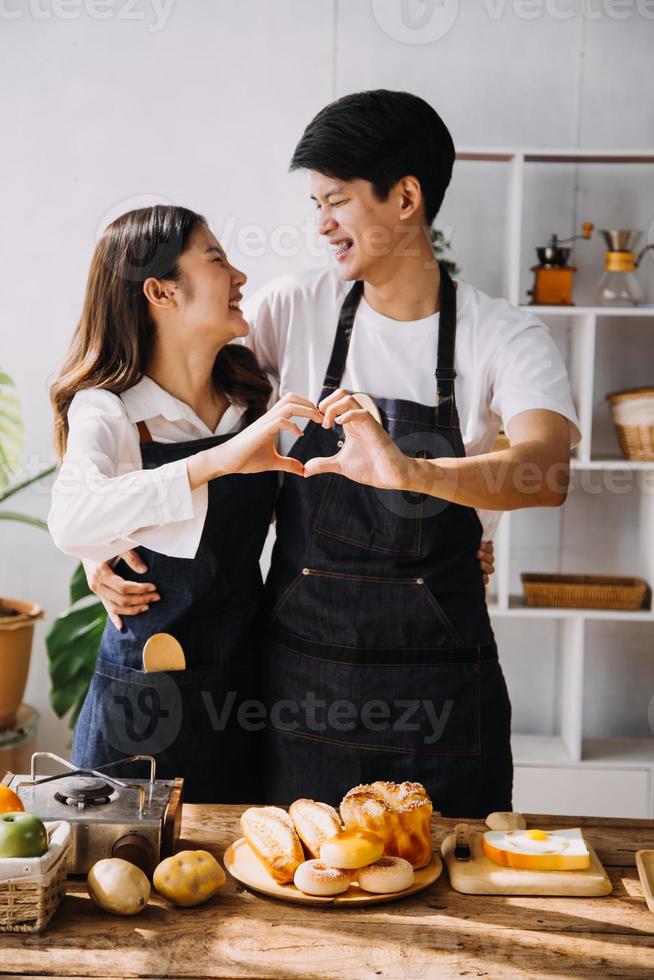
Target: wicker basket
[633,415]
[32,888]
[584,591]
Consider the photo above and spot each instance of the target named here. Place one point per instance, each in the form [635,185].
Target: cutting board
[481,876]
[645,865]
[243,864]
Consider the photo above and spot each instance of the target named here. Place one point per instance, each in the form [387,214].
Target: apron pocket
[364,611]
[180,717]
[385,521]
[418,708]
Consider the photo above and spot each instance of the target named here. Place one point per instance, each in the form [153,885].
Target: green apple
[22,835]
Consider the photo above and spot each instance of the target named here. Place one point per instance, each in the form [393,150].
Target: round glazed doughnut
[316,878]
[389,874]
[351,849]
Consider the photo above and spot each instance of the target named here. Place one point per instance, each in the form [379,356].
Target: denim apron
[193,721]
[380,660]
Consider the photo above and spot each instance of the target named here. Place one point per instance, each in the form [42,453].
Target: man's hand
[369,455]
[118,596]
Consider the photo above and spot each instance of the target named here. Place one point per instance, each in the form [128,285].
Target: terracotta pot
[16,634]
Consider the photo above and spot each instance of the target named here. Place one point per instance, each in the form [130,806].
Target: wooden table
[438,933]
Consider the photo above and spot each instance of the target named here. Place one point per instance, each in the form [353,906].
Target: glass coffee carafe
[619,285]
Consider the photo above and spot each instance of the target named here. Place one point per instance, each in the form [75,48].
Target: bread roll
[317,878]
[314,822]
[399,813]
[270,833]
[388,875]
[351,849]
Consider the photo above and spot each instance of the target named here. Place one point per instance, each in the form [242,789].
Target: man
[380,660]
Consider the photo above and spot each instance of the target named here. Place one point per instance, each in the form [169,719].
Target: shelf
[550,750]
[622,752]
[517,609]
[554,155]
[539,750]
[617,463]
[565,772]
[603,311]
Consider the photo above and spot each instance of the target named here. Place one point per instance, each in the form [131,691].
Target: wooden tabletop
[436,934]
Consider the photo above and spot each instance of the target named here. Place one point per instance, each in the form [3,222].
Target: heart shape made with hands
[367,453]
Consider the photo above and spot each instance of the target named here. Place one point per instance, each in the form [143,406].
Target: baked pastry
[317,878]
[351,849]
[314,822]
[270,833]
[389,874]
[399,813]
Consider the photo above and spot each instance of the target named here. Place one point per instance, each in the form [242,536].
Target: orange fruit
[10,802]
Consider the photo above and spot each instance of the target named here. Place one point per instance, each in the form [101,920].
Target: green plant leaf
[8,515]
[17,487]
[79,587]
[12,431]
[72,643]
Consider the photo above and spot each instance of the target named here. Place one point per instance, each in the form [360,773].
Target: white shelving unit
[565,772]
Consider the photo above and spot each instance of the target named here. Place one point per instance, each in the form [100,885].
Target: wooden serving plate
[481,876]
[243,864]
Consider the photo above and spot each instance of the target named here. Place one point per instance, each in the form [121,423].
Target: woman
[167,446]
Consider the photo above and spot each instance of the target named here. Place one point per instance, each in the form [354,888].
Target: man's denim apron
[189,719]
[380,660]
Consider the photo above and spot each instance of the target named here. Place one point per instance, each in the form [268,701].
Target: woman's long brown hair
[112,343]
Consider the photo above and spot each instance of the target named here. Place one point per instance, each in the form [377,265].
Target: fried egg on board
[537,850]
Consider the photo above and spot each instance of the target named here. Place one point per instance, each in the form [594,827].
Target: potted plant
[17,616]
[74,638]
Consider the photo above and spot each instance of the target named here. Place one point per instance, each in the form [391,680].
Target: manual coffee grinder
[619,285]
[553,277]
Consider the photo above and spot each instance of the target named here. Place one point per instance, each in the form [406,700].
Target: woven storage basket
[583,591]
[32,888]
[633,415]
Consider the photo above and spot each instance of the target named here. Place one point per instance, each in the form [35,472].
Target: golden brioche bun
[351,849]
[399,813]
[314,822]
[317,878]
[389,874]
[270,833]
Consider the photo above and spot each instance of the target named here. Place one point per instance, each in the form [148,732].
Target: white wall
[100,114]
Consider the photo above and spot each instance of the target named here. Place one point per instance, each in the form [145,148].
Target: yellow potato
[189,877]
[118,886]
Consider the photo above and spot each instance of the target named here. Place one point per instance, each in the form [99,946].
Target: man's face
[364,232]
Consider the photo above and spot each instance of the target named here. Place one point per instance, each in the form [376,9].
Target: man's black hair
[380,136]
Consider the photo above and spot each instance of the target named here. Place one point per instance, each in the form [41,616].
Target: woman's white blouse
[103,501]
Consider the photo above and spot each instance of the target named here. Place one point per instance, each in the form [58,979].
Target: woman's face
[208,295]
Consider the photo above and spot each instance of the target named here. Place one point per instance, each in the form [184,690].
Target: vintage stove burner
[83,791]
[141,823]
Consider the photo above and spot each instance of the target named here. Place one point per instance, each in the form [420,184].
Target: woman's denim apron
[380,660]
[193,721]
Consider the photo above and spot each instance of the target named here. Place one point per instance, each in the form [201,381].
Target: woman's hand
[119,596]
[253,450]
[486,556]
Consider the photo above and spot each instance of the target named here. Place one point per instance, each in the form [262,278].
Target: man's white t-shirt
[505,358]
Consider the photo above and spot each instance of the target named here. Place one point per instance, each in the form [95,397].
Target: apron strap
[343,334]
[445,373]
[144,433]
